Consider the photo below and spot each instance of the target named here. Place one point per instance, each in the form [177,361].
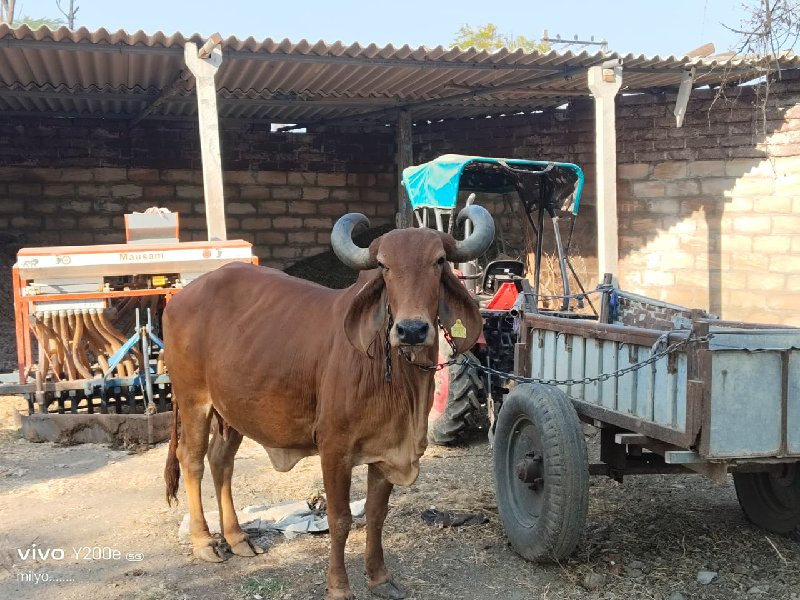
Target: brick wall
[709,214]
[69,181]
[286,215]
[90,143]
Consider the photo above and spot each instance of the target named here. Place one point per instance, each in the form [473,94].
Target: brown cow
[302,369]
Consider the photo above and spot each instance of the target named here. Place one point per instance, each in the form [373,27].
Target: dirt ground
[646,539]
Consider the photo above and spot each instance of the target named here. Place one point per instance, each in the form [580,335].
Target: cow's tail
[172,470]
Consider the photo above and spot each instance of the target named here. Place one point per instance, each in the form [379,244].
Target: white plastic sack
[291,517]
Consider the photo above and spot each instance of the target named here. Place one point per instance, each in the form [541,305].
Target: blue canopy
[435,184]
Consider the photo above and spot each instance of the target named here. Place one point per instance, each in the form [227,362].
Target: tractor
[500,285]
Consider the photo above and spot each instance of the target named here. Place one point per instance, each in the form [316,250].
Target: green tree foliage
[36,23]
[487,37]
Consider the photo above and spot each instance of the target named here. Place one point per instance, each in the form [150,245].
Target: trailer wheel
[541,472]
[772,500]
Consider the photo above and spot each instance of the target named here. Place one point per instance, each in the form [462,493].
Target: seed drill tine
[153,337]
[148,377]
[123,351]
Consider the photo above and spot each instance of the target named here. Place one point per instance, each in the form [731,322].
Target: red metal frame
[22,308]
[504,298]
[100,248]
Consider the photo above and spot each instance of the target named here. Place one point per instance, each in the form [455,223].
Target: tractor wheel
[541,472]
[466,395]
[772,500]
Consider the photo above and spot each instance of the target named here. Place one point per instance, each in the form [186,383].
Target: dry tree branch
[770,28]
[778,552]
[7,11]
[69,13]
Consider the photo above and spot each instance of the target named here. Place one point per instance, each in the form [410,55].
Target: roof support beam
[166,95]
[102,47]
[52,94]
[64,114]
[604,83]
[387,103]
[383,62]
[169,95]
[564,74]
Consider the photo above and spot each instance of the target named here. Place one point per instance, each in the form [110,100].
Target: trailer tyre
[541,472]
[772,500]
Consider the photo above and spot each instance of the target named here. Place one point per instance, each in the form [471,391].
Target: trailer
[720,397]
[672,389]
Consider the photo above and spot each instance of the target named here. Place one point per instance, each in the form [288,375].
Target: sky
[638,26]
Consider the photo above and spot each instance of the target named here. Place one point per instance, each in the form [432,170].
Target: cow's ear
[458,311]
[366,315]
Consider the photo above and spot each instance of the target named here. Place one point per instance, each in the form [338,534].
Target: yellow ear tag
[458,330]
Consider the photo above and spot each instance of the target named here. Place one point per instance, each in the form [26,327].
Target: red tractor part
[457,394]
[441,387]
[441,379]
[504,298]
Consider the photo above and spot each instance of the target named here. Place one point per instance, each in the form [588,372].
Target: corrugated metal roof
[121,74]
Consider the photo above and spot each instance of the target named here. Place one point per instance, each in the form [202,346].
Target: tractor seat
[499,271]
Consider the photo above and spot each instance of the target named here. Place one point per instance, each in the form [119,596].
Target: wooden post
[405,158]
[204,71]
[604,83]
[605,300]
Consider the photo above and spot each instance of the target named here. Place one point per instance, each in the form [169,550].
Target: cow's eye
[382,266]
[440,261]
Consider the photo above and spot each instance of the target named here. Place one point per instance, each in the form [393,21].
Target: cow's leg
[192,446]
[379,580]
[336,474]
[221,453]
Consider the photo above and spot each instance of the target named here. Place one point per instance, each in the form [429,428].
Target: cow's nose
[412,331]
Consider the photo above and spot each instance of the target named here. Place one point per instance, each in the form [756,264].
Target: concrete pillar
[604,83]
[203,64]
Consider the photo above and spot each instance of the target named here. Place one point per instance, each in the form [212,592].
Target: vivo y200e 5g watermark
[22,561]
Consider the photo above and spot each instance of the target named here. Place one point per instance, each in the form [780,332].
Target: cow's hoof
[246,548]
[210,553]
[389,590]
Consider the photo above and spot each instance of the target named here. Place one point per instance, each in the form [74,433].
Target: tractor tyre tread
[466,395]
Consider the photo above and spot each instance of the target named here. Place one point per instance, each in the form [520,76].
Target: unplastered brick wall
[70,181]
[709,213]
[286,215]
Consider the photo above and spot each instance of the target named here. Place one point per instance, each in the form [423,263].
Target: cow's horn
[481,237]
[342,242]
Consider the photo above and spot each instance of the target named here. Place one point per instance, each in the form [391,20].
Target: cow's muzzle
[412,332]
